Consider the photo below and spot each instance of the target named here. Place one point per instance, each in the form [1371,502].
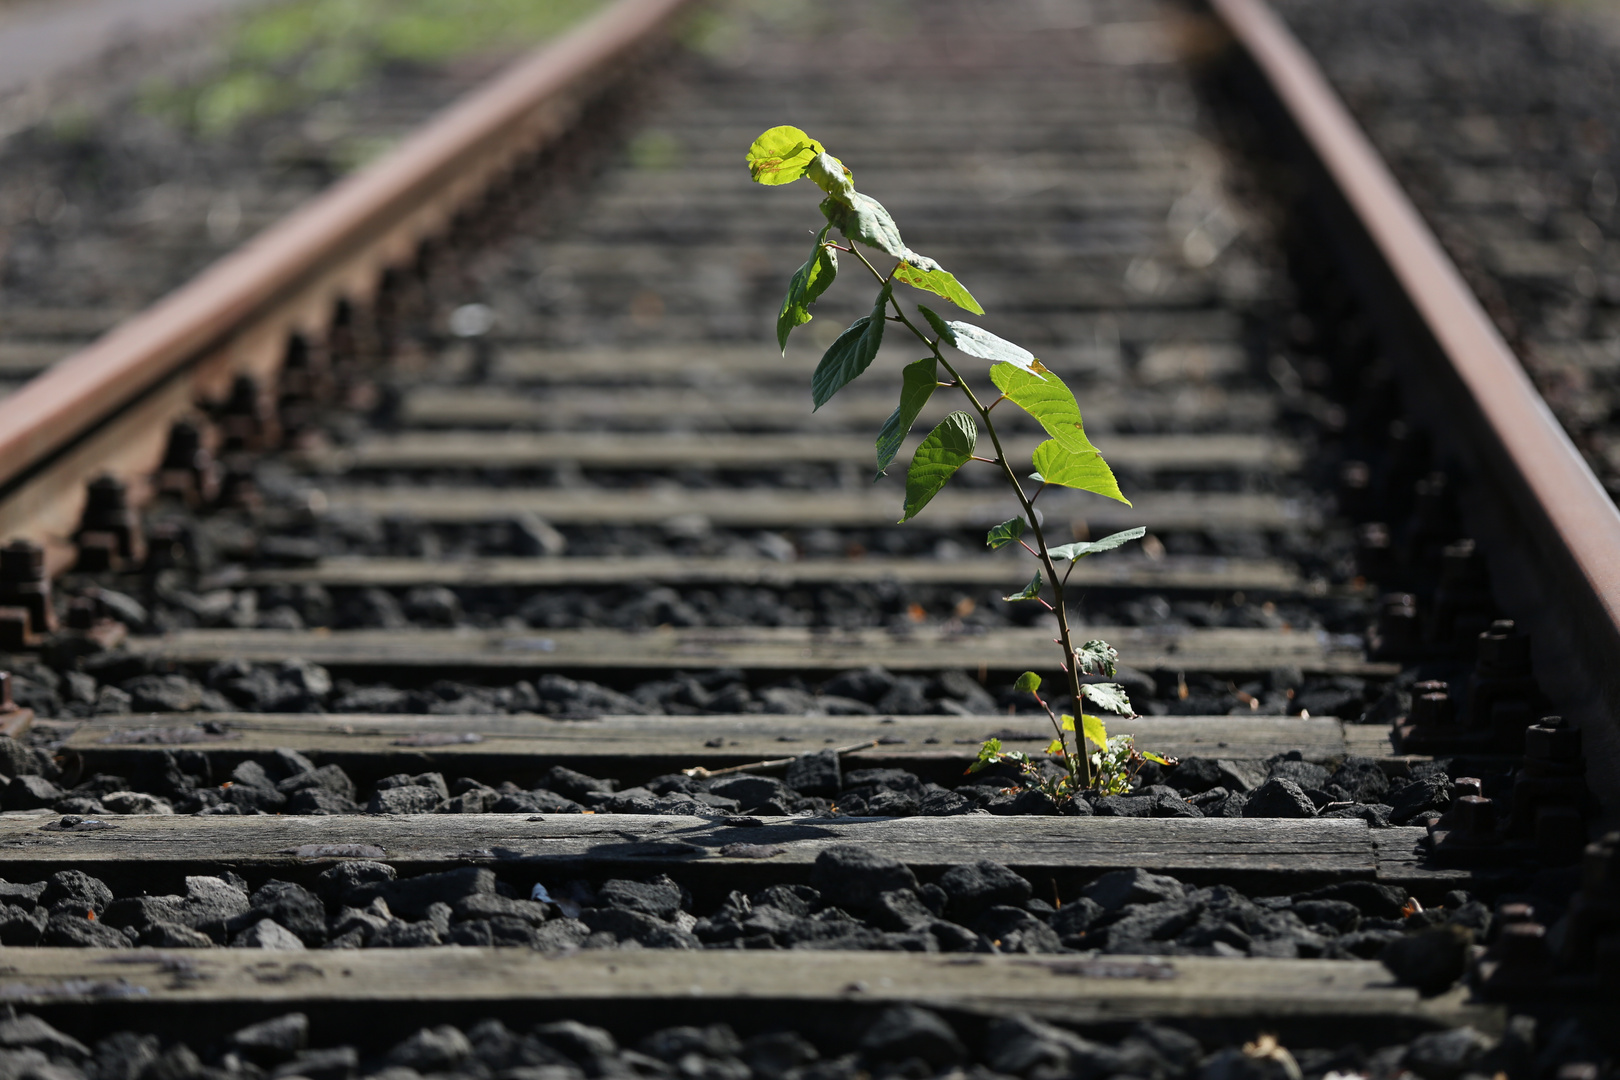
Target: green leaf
[982,343]
[1157,759]
[917,382]
[851,354]
[921,272]
[831,176]
[1084,469]
[863,218]
[1043,396]
[989,754]
[946,449]
[1094,730]
[1068,722]
[809,282]
[1031,591]
[1005,533]
[1056,747]
[1028,683]
[941,327]
[1081,548]
[1110,696]
[1097,658]
[781,155]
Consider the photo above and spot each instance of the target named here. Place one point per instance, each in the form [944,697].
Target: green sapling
[1066,458]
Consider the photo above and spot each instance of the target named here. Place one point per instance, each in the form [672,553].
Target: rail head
[70,399]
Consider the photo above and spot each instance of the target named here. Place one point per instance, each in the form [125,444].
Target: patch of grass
[293,54]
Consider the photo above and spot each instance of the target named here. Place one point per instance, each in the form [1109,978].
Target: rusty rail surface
[234,317]
[1555,503]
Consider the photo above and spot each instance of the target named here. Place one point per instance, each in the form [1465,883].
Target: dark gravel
[855,899]
[897,1041]
[815,784]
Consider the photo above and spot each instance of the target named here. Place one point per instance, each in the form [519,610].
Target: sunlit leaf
[863,218]
[1031,591]
[1081,548]
[946,449]
[831,176]
[1097,658]
[781,155]
[1005,533]
[1068,722]
[809,282]
[1110,696]
[1055,747]
[1156,758]
[982,343]
[851,354]
[1095,732]
[1084,469]
[917,383]
[1028,683]
[1045,398]
[989,754]
[921,272]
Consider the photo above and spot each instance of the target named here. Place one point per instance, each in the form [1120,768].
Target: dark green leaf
[809,282]
[1110,696]
[1005,533]
[1097,658]
[1081,548]
[917,382]
[781,155]
[1028,683]
[863,218]
[1031,591]
[946,449]
[921,272]
[941,327]
[851,354]
[1043,395]
[1084,469]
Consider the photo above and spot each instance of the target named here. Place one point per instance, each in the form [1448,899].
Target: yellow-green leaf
[1028,683]
[809,282]
[921,272]
[1068,722]
[1095,731]
[917,382]
[1084,469]
[1157,759]
[781,155]
[1043,395]
[946,449]
[1055,747]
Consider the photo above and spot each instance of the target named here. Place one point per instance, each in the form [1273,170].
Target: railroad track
[521,603]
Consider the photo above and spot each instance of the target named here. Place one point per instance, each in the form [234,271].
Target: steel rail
[1556,504]
[334,245]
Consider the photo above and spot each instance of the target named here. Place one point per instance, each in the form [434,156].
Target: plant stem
[1079,763]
